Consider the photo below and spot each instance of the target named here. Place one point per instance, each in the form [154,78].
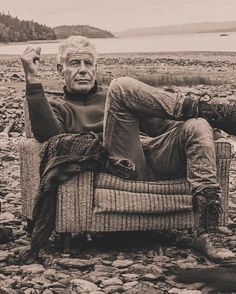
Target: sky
[119,15]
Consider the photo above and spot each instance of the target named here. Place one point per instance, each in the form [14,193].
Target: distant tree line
[63,32]
[14,30]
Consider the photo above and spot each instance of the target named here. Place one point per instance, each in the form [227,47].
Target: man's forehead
[80,55]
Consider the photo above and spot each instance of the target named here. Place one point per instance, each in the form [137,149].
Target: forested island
[12,29]
[63,32]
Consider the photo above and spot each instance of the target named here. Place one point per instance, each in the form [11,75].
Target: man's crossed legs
[186,150]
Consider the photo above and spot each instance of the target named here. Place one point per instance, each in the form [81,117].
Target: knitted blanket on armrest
[65,155]
[61,158]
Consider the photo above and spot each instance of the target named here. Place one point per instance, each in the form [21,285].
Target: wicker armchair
[106,203]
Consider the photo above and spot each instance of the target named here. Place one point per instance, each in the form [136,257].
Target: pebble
[225,231]
[105,269]
[84,286]
[33,269]
[182,291]
[113,289]
[6,217]
[47,291]
[119,263]
[149,278]
[130,277]
[110,282]
[74,263]
[130,285]
[138,268]
[225,253]
[4,255]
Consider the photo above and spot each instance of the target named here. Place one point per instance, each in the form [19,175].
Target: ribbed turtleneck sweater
[72,113]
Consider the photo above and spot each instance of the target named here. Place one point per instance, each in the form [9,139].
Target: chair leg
[66,242]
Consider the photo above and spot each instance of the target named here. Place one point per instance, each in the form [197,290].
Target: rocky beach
[140,263]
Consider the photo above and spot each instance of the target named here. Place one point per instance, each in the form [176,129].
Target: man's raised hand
[30,61]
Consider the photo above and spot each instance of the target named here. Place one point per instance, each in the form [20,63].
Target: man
[173,143]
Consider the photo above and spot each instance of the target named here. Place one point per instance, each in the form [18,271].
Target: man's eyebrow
[75,59]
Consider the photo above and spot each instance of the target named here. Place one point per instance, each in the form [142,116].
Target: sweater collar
[76,96]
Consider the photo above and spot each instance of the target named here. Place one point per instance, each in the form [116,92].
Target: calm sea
[193,42]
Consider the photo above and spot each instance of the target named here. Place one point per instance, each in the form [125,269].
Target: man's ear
[60,70]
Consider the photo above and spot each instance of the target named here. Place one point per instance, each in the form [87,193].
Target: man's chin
[83,89]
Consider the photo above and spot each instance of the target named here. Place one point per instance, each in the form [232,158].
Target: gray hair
[75,44]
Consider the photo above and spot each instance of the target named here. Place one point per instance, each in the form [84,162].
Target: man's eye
[74,64]
[89,63]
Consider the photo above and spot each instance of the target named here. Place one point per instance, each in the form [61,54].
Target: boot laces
[211,214]
[216,111]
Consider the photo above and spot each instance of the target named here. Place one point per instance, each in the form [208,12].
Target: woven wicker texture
[112,222]
[79,197]
[29,169]
[28,132]
[128,202]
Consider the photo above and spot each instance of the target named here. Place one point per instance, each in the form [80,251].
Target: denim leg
[186,151]
[127,99]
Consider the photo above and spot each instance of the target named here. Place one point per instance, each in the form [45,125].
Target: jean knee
[122,84]
[198,126]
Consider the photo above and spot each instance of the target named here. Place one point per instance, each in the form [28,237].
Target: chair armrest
[74,208]
[224,155]
[29,173]
[223,149]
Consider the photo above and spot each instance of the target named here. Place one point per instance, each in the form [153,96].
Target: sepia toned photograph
[117,147]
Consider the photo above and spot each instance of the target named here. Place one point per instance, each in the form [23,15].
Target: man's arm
[45,121]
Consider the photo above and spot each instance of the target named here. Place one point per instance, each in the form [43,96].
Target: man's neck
[80,95]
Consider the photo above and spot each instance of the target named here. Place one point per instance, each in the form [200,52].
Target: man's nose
[82,68]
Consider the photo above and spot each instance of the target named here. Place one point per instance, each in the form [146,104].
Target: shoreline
[177,54]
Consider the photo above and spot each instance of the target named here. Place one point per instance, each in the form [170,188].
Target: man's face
[79,72]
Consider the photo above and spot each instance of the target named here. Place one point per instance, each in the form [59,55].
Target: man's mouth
[82,81]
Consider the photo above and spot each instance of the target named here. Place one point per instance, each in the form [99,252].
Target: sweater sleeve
[46,121]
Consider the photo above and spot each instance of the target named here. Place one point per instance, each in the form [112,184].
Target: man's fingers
[34,52]
[28,50]
[38,50]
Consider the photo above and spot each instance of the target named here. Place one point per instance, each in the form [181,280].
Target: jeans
[186,150]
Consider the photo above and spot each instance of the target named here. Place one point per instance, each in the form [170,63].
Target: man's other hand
[30,61]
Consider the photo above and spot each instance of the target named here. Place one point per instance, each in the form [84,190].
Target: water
[193,42]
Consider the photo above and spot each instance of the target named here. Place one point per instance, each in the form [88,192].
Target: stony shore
[141,263]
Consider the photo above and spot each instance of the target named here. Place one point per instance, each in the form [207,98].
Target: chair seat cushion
[113,194]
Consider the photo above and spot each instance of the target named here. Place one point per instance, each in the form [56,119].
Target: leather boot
[208,209]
